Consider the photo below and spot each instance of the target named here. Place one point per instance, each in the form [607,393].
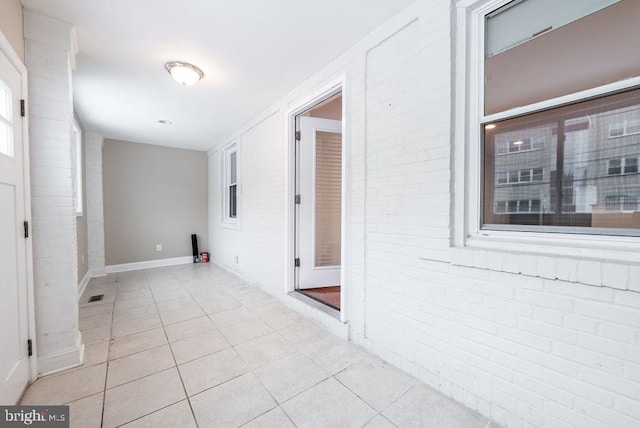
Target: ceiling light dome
[183,72]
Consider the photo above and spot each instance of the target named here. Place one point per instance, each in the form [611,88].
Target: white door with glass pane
[14,360]
[319,213]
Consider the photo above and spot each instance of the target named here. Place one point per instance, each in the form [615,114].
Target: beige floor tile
[232,404]
[231,317]
[290,376]
[169,294]
[133,303]
[218,305]
[136,342]
[280,318]
[275,418]
[67,386]
[198,346]
[179,315]
[138,365]
[131,285]
[89,311]
[423,406]
[95,321]
[334,354]
[304,333]
[245,331]
[264,350]
[211,370]
[132,400]
[86,412]
[95,335]
[175,416]
[255,295]
[134,326]
[182,303]
[379,422]
[328,404]
[189,328]
[135,313]
[132,294]
[376,382]
[96,353]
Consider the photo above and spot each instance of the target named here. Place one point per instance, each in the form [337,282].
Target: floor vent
[96,298]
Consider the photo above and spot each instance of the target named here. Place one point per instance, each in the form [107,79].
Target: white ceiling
[251,51]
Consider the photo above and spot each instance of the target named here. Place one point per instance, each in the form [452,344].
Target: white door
[14,360]
[319,213]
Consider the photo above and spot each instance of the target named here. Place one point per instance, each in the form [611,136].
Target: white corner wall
[55,263]
[528,347]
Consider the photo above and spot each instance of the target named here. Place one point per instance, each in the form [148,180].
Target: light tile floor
[195,346]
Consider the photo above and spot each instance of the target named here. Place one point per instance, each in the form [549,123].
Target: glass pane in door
[328,198]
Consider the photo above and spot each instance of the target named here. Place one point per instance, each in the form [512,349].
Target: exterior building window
[621,203]
[230,191]
[559,155]
[624,128]
[628,165]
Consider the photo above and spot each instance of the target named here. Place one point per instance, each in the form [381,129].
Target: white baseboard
[83,284]
[62,360]
[95,273]
[149,264]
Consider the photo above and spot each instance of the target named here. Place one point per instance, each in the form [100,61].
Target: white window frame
[468,175]
[78,160]
[226,152]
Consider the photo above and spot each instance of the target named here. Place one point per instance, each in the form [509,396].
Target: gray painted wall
[153,195]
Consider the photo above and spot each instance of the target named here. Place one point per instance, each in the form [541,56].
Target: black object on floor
[194,246]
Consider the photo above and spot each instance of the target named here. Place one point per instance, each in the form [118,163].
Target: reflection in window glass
[576,176]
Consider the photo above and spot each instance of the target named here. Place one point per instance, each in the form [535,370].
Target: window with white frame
[230,191]
[78,157]
[619,166]
[559,116]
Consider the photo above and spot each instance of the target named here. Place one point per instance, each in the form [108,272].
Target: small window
[628,165]
[6,124]
[78,157]
[230,191]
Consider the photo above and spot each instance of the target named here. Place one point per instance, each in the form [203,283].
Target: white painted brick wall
[530,340]
[50,111]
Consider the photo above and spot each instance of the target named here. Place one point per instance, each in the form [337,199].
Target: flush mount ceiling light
[183,72]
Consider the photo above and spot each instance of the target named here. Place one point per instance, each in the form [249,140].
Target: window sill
[596,261]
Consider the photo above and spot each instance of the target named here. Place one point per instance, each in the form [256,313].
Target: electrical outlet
[158,247]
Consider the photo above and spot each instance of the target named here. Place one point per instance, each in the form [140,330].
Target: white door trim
[15,60]
[334,87]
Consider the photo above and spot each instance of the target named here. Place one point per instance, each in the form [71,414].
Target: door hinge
[22,109]
[26,229]
[298,199]
[30,347]
[296,262]
[298,136]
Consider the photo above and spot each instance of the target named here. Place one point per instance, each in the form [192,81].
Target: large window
[230,191]
[567,164]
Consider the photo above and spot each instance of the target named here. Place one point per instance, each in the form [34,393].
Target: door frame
[334,87]
[8,51]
